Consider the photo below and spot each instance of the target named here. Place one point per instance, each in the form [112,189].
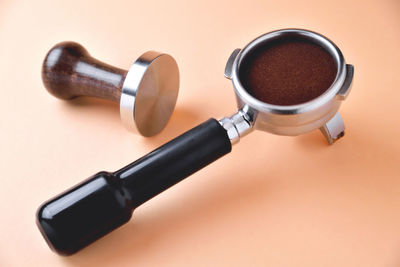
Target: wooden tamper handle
[146,93]
[69,71]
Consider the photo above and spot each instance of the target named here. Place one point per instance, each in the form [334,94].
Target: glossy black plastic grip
[105,201]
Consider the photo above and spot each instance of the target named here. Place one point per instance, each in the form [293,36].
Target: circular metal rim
[132,86]
[290,109]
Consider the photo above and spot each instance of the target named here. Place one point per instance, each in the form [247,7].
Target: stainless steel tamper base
[319,113]
[149,93]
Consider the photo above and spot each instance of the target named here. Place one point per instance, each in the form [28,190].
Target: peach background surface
[274,201]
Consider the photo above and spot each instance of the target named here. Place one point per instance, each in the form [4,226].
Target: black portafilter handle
[105,201]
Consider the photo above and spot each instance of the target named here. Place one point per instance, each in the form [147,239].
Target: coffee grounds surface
[288,72]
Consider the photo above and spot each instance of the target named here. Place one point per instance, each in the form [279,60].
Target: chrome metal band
[237,125]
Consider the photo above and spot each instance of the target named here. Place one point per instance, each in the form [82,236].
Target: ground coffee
[288,72]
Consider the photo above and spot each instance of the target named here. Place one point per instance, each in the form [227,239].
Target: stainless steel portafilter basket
[84,213]
[319,113]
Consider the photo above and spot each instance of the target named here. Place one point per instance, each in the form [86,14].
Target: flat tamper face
[149,93]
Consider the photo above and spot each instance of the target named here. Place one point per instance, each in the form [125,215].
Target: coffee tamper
[105,201]
[147,93]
